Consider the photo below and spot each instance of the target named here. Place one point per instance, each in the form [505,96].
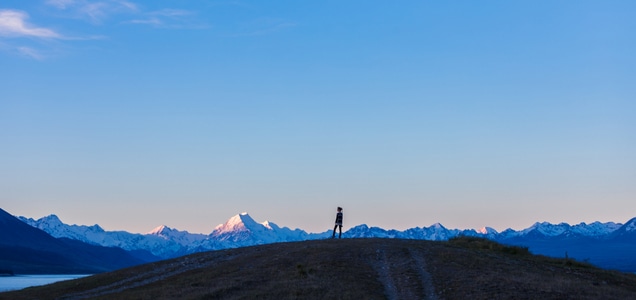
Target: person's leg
[340,229]
[334,231]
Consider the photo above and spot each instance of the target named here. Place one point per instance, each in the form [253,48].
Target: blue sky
[132,114]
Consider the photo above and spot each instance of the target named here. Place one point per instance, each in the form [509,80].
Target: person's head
[339,208]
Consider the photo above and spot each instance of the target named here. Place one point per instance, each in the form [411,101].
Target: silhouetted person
[338,224]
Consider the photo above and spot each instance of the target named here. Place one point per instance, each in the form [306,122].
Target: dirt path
[404,276]
[384,274]
[425,276]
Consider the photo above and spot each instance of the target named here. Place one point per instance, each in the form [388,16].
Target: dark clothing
[334,231]
[338,225]
[339,219]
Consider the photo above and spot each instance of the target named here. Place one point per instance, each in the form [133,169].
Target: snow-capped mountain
[608,245]
[630,226]
[364,231]
[436,232]
[487,231]
[238,223]
[627,232]
[161,246]
[546,229]
[165,242]
[242,230]
[183,238]
[28,250]
[595,229]
[54,226]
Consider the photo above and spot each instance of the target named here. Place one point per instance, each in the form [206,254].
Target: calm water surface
[9,283]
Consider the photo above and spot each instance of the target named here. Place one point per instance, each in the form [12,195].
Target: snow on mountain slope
[626,232]
[546,229]
[163,241]
[183,238]
[595,229]
[364,231]
[53,225]
[436,232]
[237,223]
[95,235]
[242,230]
[487,231]
[630,226]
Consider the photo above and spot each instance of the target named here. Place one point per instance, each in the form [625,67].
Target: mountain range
[609,245]
[28,250]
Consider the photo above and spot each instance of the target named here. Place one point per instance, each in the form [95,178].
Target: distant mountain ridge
[28,250]
[239,231]
[242,230]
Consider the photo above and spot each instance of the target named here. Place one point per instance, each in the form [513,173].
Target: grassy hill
[464,268]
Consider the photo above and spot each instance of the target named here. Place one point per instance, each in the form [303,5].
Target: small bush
[301,270]
[486,244]
[569,262]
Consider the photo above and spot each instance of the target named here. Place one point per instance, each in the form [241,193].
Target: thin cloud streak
[168,18]
[171,12]
[30,52]
[16,24]
[61,4]
[95,12]
[13,24]
[263,26]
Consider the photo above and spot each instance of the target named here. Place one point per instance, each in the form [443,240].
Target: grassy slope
[352,269]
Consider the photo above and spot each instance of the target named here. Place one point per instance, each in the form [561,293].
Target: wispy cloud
[98,11]
[61,4]
[24,36]
[233,3]
[263,26]
[18,48]
[13,23]
[172,13]
[30,52]
[167,18]
[94,11]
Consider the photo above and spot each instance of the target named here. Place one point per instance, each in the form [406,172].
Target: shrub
[486,244]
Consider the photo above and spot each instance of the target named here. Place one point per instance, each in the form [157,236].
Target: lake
[9,283]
